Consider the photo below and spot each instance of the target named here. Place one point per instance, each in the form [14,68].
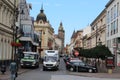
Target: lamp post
[41,39]
[15,32]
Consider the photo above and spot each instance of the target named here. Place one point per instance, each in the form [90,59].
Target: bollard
[3,69]
[109,71]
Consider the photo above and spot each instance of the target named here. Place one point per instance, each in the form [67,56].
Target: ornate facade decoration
[6,30]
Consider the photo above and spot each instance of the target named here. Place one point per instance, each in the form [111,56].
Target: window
[115,12]
[114,27]
[117,9]
[111,28]
[108,31]
[108,17]
[27,30]
[111,13]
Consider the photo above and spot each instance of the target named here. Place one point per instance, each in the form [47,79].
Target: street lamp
[41,32]
[15,28]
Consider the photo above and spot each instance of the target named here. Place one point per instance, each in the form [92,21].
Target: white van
[51,60]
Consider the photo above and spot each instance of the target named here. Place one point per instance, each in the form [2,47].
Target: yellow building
[43,27]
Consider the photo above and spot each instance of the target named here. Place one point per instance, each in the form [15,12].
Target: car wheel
[90,70]
[71,69]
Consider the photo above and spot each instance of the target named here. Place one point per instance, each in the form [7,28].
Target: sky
[74,14]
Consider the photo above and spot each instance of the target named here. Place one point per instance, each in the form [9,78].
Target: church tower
[61,34]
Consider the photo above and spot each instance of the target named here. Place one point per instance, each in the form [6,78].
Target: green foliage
[100,51]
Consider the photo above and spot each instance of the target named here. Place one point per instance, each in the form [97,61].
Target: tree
[100,51]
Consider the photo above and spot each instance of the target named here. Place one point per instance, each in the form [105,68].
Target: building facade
[29,38]
[61,36]
[44,28]
[76,41]
[7,16]
[87,37]
[113,28]
[98,30]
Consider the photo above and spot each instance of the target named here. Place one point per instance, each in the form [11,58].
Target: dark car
[80,66]
[66,58]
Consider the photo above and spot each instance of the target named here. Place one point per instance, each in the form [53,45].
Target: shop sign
[110,61]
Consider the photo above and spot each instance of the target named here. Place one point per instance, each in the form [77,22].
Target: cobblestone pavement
[72,77]
[114,75]
[97,75]
[6,75]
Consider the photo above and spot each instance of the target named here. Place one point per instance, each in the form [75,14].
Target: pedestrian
[13,70]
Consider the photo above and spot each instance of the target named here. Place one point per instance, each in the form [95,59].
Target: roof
[41,16]
[107,5]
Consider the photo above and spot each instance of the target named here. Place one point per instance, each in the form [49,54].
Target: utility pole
[15,28]
[14,20]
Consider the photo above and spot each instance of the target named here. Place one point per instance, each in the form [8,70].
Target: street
[61,74]
[35,33]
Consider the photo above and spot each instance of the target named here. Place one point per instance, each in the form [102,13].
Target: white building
[86,30]
[86,37]
[29,38]
[113,28]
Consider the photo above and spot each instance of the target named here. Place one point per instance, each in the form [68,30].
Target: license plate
[49,68]
[27,64]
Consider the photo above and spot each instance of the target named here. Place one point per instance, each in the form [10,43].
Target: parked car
[80,66]
[66,58]
[71,59]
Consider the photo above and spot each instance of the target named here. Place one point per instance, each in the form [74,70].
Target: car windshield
[82,64]
[78,63]
[75,63]
[50,58]
[29,56]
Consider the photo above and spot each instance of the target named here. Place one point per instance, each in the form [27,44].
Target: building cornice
[107,5]
[98,17]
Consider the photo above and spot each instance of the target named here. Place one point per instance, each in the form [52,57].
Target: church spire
[42,8]
[73,35]
[61,24]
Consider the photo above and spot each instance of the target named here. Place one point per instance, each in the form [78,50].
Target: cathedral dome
[41,16]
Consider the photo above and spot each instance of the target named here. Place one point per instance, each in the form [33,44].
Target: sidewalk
[6,76]
[97,75]
[114,75]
